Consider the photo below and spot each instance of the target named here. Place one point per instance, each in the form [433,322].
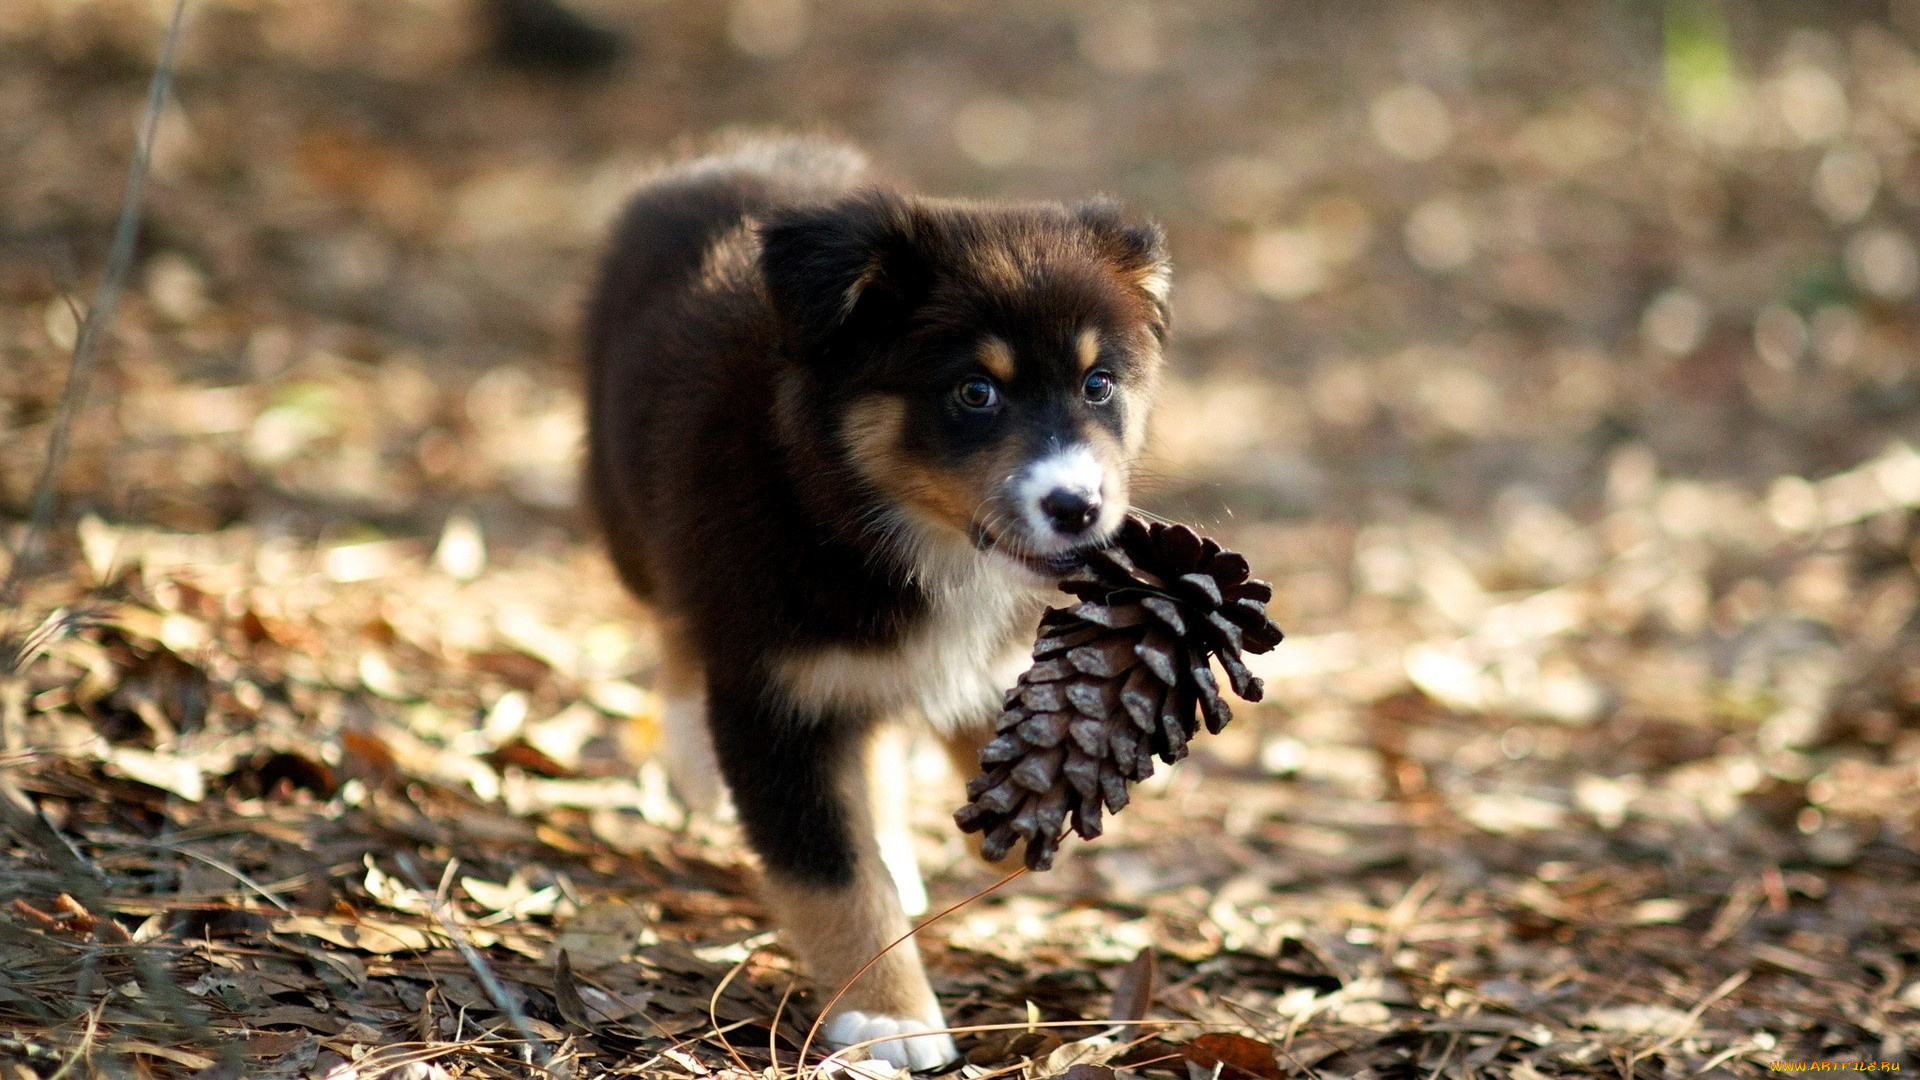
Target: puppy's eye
[1098,387]
[977,392]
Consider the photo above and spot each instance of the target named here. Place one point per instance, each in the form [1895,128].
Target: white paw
[917,1052]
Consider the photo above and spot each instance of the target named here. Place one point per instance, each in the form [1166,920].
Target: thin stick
[488,982]
[20,814]
[1008,1070]
[875,958]
[86,346]
[773,1029]
[643,1067]
[975,1029]
[57,623]
[230,871]
[1727,986]
[713,1011]
[80,1052]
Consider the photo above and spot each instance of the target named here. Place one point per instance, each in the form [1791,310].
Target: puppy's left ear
[1139,249]
[858,263]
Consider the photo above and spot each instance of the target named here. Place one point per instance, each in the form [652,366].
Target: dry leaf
[1236,1055]
[1638,1019]
[169,772]
[1133,992]
[377,936]
[605,933]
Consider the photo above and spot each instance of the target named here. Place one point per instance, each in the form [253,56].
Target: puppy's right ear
[856,263]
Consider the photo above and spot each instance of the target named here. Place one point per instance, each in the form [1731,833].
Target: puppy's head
[985,369]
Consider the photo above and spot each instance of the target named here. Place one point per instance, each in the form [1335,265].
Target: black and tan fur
[789,458]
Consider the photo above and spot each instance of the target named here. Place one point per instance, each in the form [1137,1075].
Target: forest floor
[1560,368]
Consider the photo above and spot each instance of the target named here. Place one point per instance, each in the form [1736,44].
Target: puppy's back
[672,222]
[674,329]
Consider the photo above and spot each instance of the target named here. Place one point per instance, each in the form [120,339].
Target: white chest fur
[953,667]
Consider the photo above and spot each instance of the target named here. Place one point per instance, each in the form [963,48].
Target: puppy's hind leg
[686,744]
[797,781]
[890,787]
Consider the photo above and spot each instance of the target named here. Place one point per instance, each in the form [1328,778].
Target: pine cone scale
[1159,650]
[1113,656]
[1141,697]
[1166,612]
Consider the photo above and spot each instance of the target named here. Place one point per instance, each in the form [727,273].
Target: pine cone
[1117,679]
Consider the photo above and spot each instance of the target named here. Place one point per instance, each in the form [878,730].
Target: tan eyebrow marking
[997,357]
[1088,346]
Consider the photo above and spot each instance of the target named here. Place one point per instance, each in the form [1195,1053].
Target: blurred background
[1557,362]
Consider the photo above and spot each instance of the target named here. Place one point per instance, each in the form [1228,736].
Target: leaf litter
[1569,409]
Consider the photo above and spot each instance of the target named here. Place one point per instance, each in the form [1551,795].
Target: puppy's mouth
[1051,565]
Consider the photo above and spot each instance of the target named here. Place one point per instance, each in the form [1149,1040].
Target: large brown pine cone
[1117,679]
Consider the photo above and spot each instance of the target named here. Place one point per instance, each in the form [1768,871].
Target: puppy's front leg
[799,790]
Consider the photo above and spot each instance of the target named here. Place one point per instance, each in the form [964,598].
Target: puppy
[843,439]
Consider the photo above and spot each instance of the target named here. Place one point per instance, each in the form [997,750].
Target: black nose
[1071,510]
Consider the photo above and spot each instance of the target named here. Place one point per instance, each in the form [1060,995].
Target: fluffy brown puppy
[843,439]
